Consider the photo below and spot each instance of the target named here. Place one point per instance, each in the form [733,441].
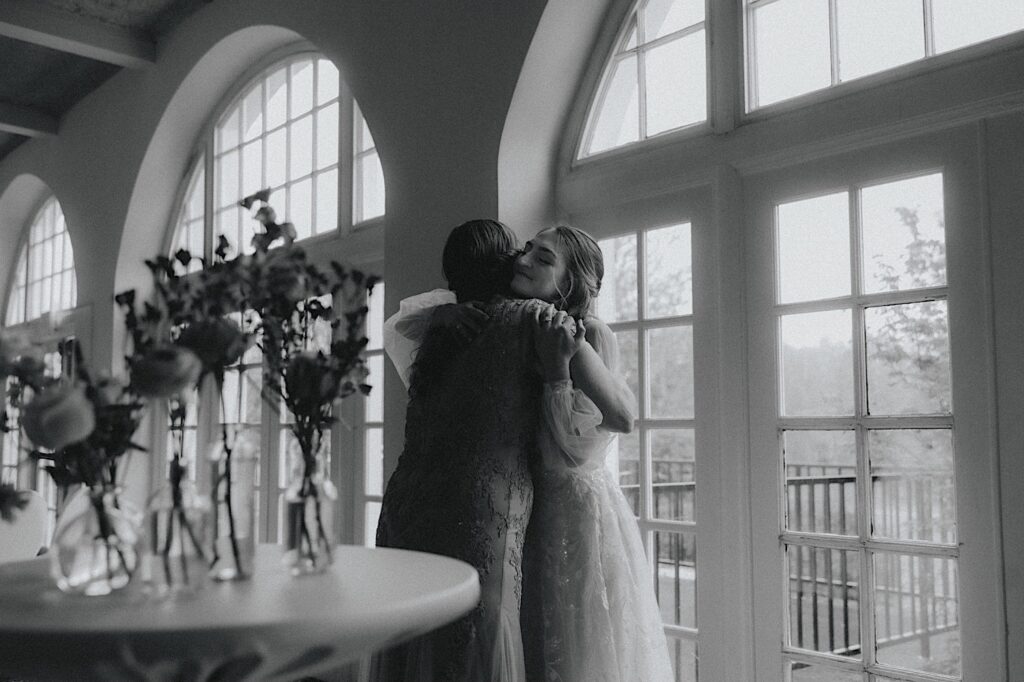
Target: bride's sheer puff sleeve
[573,419]
[404,331]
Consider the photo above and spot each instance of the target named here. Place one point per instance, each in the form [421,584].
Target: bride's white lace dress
[589,612]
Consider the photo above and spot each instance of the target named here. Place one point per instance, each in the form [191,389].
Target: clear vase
[309,506]
[176,557]
[94,548]
[234,509]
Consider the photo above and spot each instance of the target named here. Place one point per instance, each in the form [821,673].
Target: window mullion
[833,39]
[346,159]
[929,28]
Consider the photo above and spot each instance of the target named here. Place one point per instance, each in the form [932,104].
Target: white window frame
[980,599]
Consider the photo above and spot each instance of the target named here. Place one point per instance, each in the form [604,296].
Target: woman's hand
[557,338]
[465,320]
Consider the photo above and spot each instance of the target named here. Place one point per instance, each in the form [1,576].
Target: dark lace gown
[462,488]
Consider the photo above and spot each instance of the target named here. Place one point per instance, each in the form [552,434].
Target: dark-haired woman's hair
[584,266]
[477,259]
[477,262]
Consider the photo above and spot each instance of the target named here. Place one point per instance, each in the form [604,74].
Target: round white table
[272,627]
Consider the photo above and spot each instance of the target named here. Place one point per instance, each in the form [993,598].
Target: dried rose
[166,371]
[218,342]
[58,416]
[286,276]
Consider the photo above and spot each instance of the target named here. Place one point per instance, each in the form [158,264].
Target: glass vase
[309,505]
[234,508]
[94,546]
[176,557]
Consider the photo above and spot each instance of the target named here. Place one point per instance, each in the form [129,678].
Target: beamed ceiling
[55,52]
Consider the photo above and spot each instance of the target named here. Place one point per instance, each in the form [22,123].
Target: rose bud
[166,371]
[302,381]
[58,416]
[218,342]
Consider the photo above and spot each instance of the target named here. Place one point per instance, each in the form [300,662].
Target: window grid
[632,43]
[45,274]
[863,541]
[366,204]
[11,452]
[670,542]
[929,47]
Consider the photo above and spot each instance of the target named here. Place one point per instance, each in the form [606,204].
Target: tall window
[44,277]
[647,299]
[865,433]
[656,78]
[798,46]
[296,129]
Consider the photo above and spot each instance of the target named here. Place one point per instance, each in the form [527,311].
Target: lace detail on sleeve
[573,420]
[404,331]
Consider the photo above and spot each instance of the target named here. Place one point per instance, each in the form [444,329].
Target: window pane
[327,201]
[917,612]
[227,180]
[252,113]
[300,207]
[301,148]
[824,599]
[904,236]
[618,298]
[958,23]
[252,167]
[817,364]
[684,659]
[676,83]
[616,120]
[375,318]
[375,401]
[673,473]
[669,272]
[913,496]
[821,481]
[227,131]
[327,136]
[662,17]
[791,49]
[629,360]
[670,372]
[277,98]
[374,461]
[327,81]
[908,359]
[875,35]
[302,87]
[627,459]
[277,158]
[805,672]
[676,577]
[814,248]
[371,177]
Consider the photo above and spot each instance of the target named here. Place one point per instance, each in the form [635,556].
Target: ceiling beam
[36,22]
[27,122]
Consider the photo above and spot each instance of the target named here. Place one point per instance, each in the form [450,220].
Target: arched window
[655,80]
[293,127]
[799,46]
[44,277]
[296,129]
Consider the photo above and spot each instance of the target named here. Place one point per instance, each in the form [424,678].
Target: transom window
[296,129]
[656,78]
[865,434]
[44,277]
[647,299]
[799,46]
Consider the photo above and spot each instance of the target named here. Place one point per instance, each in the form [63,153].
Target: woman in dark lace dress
[462,485]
